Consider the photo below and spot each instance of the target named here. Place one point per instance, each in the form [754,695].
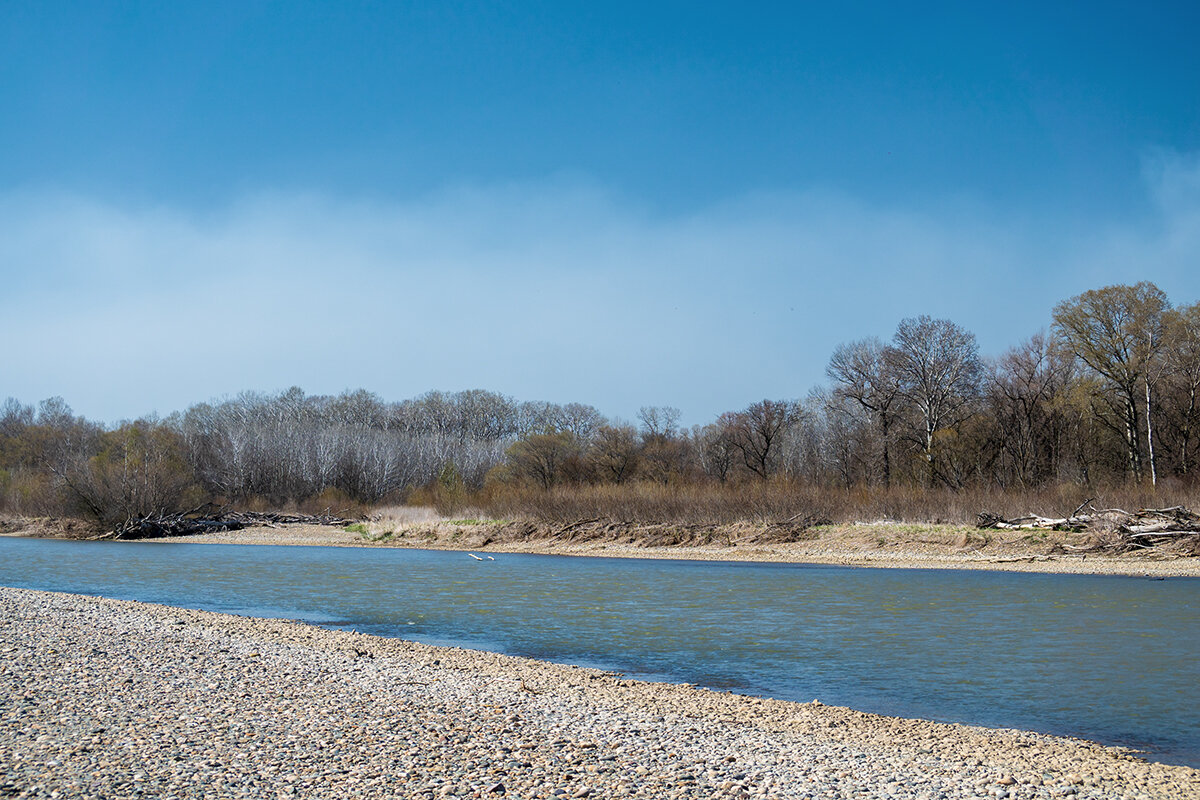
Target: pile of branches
[208,519]
[1115,530]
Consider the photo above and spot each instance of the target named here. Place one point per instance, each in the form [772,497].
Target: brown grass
[776,502]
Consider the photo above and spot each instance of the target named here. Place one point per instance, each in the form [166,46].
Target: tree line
[1108,395]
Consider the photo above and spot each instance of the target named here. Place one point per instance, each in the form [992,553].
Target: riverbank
[879,544]
[864,545]
[118,699]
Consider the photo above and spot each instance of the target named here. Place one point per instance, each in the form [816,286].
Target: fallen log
[1153,527]
[202,520]
[1019,559]
[1114,530]
[1032,522]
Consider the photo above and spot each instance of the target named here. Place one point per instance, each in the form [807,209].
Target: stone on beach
[106,698]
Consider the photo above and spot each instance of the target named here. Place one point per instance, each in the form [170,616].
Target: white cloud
[556,291]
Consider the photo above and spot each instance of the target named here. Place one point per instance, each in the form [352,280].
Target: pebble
[105,698]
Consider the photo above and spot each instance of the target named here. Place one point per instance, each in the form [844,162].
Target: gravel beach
[106,698]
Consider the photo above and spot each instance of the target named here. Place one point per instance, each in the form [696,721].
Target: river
[1112,659]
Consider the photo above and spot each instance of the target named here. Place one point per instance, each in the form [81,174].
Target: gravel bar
[102,698]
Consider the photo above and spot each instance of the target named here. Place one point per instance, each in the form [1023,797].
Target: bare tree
[542,457]
[664,453]
[714,445]
[138,469]
[863,371]
[1026,395]
[938,367]
[1182,370]
[614,452]
[843,441]
[758,431]
[481,415]
[14,417]
[659,421]
[578,419]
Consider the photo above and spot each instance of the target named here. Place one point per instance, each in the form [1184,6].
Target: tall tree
[1026,394]
[863,372]
[715,448]
[541,457]
[659,422]
[758,433]
[614,452]
[1182,369]
[1117,332]
[938,367]
[664,453]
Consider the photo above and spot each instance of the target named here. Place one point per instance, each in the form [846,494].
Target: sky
[622,204]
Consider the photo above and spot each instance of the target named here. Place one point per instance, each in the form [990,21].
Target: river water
[1113,659]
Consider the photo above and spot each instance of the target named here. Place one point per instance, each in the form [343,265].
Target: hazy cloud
[556,291]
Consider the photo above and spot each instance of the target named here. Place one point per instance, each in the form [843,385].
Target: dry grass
[776,502]
[650,515]
[404,515]
[49,527]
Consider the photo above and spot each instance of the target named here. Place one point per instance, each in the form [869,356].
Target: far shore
[877,544]
[863,545]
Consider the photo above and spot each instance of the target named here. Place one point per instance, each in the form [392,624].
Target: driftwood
[577,524]
[1113,529]
[208,519]
[1018,559]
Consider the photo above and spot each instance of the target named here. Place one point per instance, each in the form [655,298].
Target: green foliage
[365,532]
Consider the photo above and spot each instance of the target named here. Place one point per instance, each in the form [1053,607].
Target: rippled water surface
[1108,658]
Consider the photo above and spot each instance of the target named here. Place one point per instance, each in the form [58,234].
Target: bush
[30,492]
[447,493]
[139,470]
[334,501]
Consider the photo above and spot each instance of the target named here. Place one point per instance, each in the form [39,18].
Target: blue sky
[622,204]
